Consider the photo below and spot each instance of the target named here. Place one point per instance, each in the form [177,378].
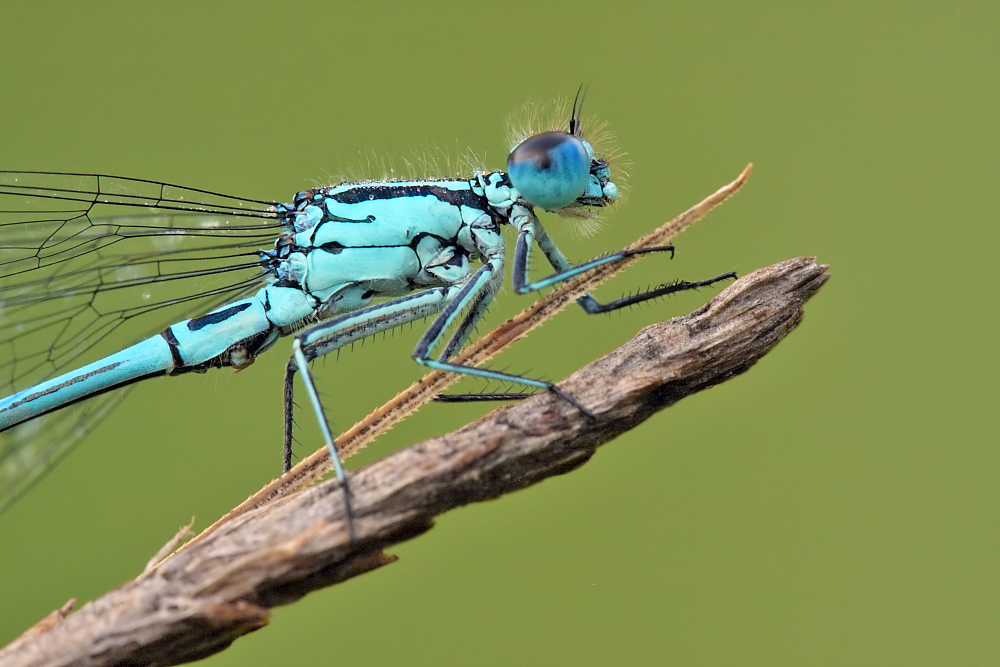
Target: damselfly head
[559,170]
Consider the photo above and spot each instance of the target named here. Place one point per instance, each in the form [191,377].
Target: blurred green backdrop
[838,504]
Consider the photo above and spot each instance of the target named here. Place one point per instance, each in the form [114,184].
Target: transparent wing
[90,263]
[31,449]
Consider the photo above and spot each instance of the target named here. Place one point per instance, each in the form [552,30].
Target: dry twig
[199,600]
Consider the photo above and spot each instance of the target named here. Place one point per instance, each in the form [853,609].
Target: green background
[838,504]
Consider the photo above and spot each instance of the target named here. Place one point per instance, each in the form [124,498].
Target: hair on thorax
[434,162]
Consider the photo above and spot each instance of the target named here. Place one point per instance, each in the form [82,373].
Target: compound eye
[550,170]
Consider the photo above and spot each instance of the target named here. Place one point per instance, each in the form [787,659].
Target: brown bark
[199,600]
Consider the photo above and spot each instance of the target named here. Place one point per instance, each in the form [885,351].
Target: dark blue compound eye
[550,170]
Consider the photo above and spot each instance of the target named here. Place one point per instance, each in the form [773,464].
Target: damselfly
[82,255]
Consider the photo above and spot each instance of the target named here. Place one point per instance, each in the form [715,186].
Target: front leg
[532,230]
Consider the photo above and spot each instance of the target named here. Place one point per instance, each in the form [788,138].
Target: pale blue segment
[150,356]
[395,225]
[391,266]
[288,305]
[210,339]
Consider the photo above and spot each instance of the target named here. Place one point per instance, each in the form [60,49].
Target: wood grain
[199,600]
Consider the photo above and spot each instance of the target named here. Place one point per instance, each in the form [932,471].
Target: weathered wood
[199,600]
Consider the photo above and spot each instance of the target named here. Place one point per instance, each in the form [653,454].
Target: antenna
[574,121]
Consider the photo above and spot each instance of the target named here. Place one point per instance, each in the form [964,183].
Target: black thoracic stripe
[337,218]
[420,236]
[335,247]
[364,193]
[174,345]
[216,317]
